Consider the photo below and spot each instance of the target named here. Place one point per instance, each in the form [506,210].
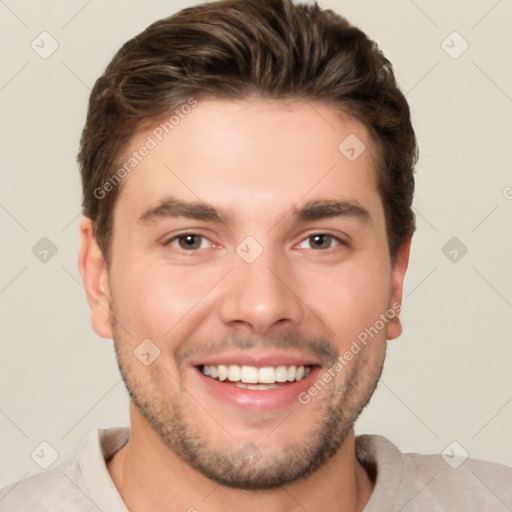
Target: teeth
[256,387]
[266,375]
[234,373]
[281,374]
[258,377]
[223,372]
[249,375]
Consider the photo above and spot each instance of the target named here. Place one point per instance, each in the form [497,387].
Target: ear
[394,329]
[93,270]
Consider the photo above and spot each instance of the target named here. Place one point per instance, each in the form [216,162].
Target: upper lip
[257,359]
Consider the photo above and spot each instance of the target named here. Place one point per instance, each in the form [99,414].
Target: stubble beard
[248,466]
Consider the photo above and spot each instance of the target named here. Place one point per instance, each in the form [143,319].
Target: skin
[257,160]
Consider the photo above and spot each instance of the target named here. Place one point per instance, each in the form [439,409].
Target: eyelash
[339,241]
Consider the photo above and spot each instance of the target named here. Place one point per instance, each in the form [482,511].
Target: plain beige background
[446,379]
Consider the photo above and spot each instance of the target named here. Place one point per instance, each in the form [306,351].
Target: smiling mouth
[254,378]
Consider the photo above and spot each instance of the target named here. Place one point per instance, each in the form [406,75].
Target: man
[247,171]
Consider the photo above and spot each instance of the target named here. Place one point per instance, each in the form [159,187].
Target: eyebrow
[313,210]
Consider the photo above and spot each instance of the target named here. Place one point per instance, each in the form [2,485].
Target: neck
[149,476]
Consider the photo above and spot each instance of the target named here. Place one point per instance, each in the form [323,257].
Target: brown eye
[188,241]
[322,241]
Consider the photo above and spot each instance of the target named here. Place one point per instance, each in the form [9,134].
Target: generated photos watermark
[151,142]
[356,346]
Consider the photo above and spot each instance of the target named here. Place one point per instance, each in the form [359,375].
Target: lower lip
[265,400]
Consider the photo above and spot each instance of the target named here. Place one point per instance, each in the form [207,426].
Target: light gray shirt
[404,482]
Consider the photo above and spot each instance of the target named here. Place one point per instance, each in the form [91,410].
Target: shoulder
[415,482]
[470,483]
[81,484]
[49,490]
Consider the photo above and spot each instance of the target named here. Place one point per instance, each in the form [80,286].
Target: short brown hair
[236,49]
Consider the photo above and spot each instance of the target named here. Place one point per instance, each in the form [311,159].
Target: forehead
[260,157]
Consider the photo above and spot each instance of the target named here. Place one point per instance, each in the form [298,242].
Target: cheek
[155,298]
[349,299]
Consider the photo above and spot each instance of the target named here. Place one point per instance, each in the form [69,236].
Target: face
[251,255]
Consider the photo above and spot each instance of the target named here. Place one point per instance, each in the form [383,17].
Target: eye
[188,241]
[321,241]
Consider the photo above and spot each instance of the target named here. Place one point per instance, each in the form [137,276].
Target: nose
[261,295]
